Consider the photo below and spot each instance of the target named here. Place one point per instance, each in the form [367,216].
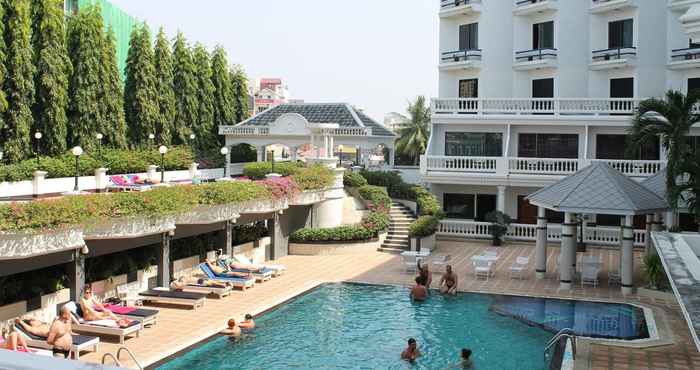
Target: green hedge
[258,170]
[316,177]
[116,160]
[424,226]
[376,222]
[428,204]
[376,196]
[387,179]
[353,179]
[340,233]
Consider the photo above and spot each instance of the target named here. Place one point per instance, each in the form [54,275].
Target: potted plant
[499,225]
[653,269]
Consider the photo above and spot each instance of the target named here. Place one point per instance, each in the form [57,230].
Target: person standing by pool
[419,292]
[60,334]
[448,283]
[248,324]
[411,353]
[425,274]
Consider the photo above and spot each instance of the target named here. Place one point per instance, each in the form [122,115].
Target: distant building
[393,121]
[268,93]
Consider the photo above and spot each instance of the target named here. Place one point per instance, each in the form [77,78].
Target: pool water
[353,326]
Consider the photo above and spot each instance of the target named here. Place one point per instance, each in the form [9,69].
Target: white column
[541,246]
[627,266]
[332,147]
[671,219]
[261,153]
[100,179]
[501,198]
[313,142]
[325,146]
[38,183]
[647,237]
[656,226]
[568,252]
[391,157]
[294,153]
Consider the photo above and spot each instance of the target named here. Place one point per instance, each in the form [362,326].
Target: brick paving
[179,328]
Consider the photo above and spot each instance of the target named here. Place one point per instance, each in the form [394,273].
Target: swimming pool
[355,326]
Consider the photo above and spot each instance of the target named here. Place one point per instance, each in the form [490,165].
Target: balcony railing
[678,55]
[460,55]
[527,2]
[535,54]
[564,106]
[444,4]
[532,167]
[614,54]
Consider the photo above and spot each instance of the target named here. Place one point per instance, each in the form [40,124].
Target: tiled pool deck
[180,328]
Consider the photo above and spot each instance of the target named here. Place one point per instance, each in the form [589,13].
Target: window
[469,88]
[620,34]
[473,144]
[543,88]
[548,145]
[468,206]
[694,85]
[469,36]
[543,35]
[615,147]
[694,144]
[622,87]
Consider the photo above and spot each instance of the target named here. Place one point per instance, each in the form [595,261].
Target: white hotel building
[533,90]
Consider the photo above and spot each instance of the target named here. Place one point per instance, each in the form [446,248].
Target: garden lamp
[192,137]
[224,152]
[99,137]
[37,137]
[151,137]
[77,152]
[340,155]
[162,150]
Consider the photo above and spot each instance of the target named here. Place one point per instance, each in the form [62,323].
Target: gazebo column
[501,198]
[541,246]
[261,153]
[331,147]
[568,252]
[656,226]
[293,153]
[627,258]
[647,236]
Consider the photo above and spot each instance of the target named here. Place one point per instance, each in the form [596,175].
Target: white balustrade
[462,164]
[526,232]
[465,228]
[244,131]
[553,106]
[635,168]
[543,166]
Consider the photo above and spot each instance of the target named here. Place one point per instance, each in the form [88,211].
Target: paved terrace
[180,328]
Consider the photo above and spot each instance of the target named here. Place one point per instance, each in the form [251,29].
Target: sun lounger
[165,295]
[126,184]
[145,315]
[239,282]
[209,290]
[80,342]
[277,270]
[102,327]
[30,350]
[519,267]
[589,275]
[260,275]
[483,268]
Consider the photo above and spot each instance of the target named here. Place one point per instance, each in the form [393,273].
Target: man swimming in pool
[411,353]
[419,292]
[448,284]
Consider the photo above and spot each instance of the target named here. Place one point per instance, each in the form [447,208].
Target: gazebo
[596,189]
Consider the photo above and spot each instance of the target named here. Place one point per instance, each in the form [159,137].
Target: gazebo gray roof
[598,189]
[345,115]
[656,184]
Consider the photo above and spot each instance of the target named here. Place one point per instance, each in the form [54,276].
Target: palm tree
[688,186]
[670,119]
[414,130]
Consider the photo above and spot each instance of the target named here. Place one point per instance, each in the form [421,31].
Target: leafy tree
[140,95]
[671,119]
[239,86]
[187,107]
[415,130]
[85,39]
[165,86]
[19,79]
[53,68]
[3,99]
[112,97]
[205,98]
[223,92]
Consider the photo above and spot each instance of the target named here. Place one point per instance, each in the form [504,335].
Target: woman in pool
[248,324]
[425,274]
[419,292]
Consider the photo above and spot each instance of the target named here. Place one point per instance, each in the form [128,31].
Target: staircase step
[395,245]
[392,250]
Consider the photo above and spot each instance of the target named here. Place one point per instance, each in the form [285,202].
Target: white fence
[599,235]
[552,106]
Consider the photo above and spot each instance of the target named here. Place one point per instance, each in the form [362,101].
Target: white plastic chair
[483,268]
[519,267]
[440,261]
[589,275]
[410,263]
[490,253]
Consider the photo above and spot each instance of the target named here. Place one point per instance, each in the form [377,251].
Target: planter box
[309,197]
[46,309]
[333,248]
[30,244]
[263,206]
[127,228]
[427,242]
[205,215]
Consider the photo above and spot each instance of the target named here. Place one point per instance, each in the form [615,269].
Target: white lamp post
[192,137]
[151,138]
[340,155]
[162,150]
[224,152]
[37,137]
[77,152]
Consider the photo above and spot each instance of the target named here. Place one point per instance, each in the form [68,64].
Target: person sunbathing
[34,327]
[245,266]
[11,340]
[220,271]
[93,310]
[182,282]
[61,334]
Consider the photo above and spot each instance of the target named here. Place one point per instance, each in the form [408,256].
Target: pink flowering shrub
[281,187]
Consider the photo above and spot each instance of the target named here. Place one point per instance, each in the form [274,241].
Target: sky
[374,54]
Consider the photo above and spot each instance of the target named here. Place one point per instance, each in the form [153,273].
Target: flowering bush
[353,179]
[281,187]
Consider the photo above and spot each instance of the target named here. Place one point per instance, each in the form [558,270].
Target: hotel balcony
[616,108]
[681,5]
[528,7]
[526,60]
[459,8]
[613,58]
[605,6]
[687,58]
[460,59]
[522,171]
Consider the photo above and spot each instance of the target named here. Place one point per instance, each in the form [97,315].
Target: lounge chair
[165,295]
[483,268]
[145,315]
[261,275]
[519,267]
[238,282]
[277,269]
[101,327]
[411,263]
[209,290]
[440,262]
[589,275]
[80,342]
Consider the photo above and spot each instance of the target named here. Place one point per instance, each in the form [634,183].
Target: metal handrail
[131,354]
[563,333]
[108,354]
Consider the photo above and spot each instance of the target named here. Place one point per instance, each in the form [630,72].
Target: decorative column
[541,246]
[225,238]
[325,146]
[391,157]
[294,153]
[163,260]
[152,172]
[331,147]
[100,179]
[647,236]
[627,259]
[501,198]
[261,153]
[568,252]
[656,226]
[38,183]
[313,144]
[76,275]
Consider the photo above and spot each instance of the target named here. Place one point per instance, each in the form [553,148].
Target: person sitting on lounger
[219,271]
[248,324]
[11,340]
[34,327]
[61,334]
[93,310]
[448,283]
[419,292]
[232,330]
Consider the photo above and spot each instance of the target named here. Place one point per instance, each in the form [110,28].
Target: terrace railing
[535,54]
[678,55]
[614,53]
[531,106]
[455,3]
[460,55]
[543,166]
[462,164]
[634,168]
[244,131]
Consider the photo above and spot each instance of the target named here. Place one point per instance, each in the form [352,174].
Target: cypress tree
[205,99]
[53,68]
[85,39]
[140,105]
[112,97]
[3,99]
[19,80]
[223,91]
[165,88]
[187,107]
[239,85]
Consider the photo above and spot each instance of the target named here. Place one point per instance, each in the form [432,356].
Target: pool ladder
[116,358]
[567,333]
